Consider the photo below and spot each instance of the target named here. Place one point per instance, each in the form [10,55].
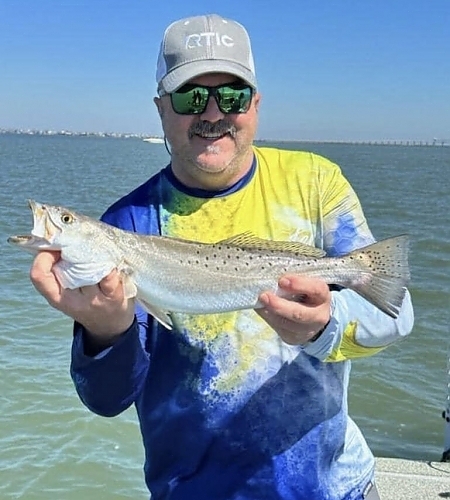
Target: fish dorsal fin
[250,241]
[160,315]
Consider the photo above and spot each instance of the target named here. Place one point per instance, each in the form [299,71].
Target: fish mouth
[30,242]
[20,239]
[44,230]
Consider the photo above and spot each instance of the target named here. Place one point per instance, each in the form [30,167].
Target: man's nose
[212,111]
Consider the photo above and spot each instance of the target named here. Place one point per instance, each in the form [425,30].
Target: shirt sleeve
[357,328]
[111,381]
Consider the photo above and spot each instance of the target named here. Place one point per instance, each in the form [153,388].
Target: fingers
[287,308]
[46,283]
[102,308]
[291,332]
[108,313]
[299,310]
[110,287]
[313,291]
[43,263]
[278,322]
[297,298]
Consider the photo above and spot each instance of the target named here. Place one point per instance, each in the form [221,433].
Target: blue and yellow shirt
[227,409]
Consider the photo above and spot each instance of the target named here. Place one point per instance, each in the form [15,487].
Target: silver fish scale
[190,277]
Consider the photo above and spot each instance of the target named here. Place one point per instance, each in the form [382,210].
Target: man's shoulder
[293,158]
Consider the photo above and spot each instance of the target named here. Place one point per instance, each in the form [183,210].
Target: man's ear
[159,106]
[257,101]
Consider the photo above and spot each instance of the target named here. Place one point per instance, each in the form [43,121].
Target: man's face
[211,150]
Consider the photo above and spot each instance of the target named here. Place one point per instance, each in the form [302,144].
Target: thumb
[42,276]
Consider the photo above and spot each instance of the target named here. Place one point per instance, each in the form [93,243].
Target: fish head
[42,235]
[59,229]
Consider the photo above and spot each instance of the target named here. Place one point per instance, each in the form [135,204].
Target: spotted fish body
[173,275]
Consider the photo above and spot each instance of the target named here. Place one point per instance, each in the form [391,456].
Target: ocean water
[53,447]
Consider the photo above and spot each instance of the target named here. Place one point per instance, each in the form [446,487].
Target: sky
[333,70]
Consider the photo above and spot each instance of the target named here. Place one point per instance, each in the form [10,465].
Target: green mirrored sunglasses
[192,99]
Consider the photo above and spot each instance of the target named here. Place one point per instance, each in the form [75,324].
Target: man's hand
[101,309]
[302,312]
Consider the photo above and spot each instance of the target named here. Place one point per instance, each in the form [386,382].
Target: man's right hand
[102,308]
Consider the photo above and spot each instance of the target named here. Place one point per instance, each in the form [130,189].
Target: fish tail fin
[385,273]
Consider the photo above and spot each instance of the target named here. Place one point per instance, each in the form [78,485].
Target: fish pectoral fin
[160,315]
[129,288]
[126,273]
[250,241]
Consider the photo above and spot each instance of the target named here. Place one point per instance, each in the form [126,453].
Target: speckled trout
[168,275]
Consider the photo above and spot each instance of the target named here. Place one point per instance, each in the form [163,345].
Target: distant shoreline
[157,139]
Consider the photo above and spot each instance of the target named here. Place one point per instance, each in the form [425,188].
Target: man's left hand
[302,312]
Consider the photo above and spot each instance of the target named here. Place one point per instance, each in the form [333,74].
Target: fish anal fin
[250,241]
[160,315]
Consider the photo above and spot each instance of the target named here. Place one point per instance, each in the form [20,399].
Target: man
[242,405]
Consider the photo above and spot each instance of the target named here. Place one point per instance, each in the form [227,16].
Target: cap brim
[179,76]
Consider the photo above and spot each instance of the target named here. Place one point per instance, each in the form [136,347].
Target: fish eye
[67,218]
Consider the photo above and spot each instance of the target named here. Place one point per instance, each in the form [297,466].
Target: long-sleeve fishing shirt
[227,410]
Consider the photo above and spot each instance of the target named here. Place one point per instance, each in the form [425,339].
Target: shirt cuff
[323,346]
[78,346]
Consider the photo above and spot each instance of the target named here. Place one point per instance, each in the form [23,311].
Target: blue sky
[327,70]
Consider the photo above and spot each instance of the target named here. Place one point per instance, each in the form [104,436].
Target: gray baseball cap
[204,44]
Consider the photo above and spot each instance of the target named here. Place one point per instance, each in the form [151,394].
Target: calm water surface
[52,447]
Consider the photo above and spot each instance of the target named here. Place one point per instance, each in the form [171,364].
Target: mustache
[220,127]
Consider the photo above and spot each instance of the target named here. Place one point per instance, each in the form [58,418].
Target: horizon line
[63,132]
